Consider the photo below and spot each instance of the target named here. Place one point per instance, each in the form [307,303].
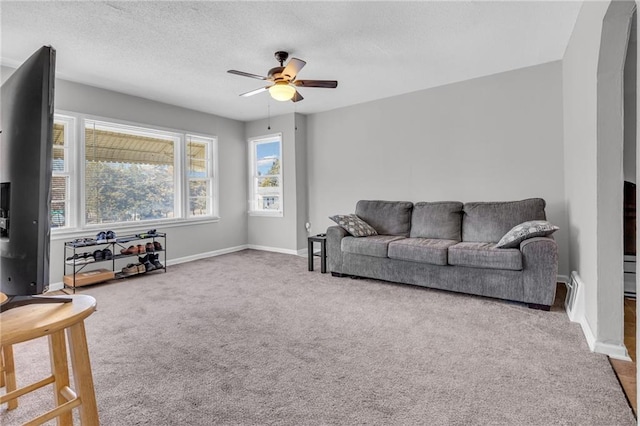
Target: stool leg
[2,369]
[60,371]
[82,374]
[310,254]
[9,374]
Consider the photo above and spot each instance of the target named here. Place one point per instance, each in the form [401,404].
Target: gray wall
[488,139]
[183,241]
[302,184]
[287,233]
[630,121]
[580,71]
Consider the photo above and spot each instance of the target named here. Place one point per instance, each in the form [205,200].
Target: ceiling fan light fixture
[281,91]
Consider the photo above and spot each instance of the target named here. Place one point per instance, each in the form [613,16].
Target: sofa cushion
[353,225]
[386,217]
[524,231]
[375,245]
[485,255]
[424,250]
[437,220]
[488,222]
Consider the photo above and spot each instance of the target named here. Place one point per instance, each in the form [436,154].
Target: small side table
[322,239]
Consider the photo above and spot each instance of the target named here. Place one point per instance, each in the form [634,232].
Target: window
[63,131]
[128,174]
[200,178]
[266,175]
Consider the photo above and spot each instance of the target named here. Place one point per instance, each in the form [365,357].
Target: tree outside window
[266,175]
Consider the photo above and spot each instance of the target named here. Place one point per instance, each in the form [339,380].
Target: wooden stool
[33,321]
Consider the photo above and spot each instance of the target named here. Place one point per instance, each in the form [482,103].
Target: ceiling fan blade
[246,74]
[293,68]
[327,84]
[255,92]
[297,97]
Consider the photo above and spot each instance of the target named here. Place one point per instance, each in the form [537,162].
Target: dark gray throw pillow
[526,230]
[353,225]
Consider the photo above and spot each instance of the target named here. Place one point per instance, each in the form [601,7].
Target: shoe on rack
[129,270]
[111,236]
[80,259]
[130,250]
[101,237]
[147,263]
[156,263]
[150,233]
[149,247]
[98,255]
[107,254]
[141,268]
[74,260]
[157,246]
[81,242]
[141,249]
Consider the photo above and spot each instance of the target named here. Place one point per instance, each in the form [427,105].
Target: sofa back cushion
[442,220]
[488,222]
[386,217]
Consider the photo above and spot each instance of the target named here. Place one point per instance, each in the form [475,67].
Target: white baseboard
[577,314]
[276,249]
[206,255]
[56,286]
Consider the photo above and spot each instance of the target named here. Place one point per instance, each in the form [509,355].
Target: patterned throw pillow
[353,225]
[526,230]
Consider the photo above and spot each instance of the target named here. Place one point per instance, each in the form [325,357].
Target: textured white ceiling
[179,52]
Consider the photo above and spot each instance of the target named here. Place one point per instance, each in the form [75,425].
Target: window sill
[266,214]
[123,228]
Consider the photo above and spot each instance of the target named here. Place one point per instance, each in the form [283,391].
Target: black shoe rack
[79,271]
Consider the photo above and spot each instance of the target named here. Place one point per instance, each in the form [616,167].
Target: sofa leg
[338,274]
[539,307]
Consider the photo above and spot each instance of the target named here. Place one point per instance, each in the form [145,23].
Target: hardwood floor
[626,370]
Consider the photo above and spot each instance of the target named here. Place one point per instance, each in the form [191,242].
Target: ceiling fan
[284,80]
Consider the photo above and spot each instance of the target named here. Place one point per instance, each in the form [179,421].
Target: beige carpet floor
[253,338]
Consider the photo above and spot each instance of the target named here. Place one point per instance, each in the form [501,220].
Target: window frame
[69,147]
[212,173]
[253,143]
[77,221]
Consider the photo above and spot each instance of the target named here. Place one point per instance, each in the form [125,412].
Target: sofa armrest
[540,270]
[335,234]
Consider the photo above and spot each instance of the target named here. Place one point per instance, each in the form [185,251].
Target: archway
[610,133]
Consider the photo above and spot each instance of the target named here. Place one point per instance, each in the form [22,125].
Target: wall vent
[572,291]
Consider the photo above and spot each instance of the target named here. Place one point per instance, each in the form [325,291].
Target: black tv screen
[26,142]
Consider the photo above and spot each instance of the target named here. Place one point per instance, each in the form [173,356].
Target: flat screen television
[26,144]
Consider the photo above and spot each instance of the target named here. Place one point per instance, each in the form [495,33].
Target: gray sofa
[450,246]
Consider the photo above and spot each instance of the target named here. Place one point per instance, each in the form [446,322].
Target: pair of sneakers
[105,237]
[105,254]
[80,259]
[150,233]
[133,269]
[151,262]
